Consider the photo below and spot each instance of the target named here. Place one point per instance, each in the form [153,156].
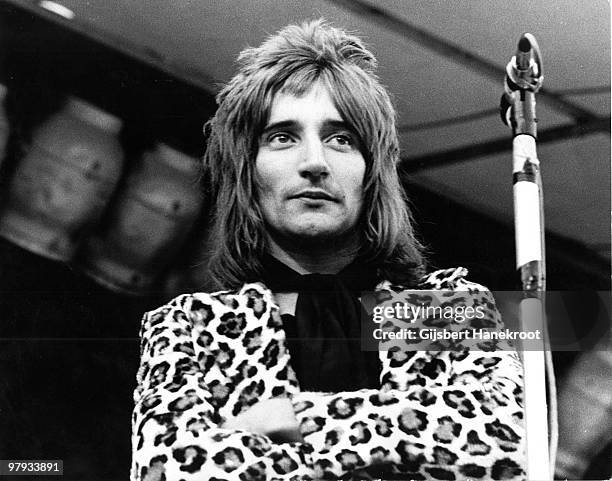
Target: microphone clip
[523,79]
[524,71]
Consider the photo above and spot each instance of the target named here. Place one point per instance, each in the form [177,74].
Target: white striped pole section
[530,263]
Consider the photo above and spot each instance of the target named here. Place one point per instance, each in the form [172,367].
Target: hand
[273,418]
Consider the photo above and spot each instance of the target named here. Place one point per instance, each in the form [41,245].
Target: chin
[314,238]
[317,234]
[316,231]
[316,225]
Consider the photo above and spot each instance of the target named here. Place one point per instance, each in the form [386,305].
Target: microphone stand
[523,80]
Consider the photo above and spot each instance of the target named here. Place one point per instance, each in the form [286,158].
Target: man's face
[309,169]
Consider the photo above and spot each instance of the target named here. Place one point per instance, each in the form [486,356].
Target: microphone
[523,74]
[523,53]
[524,71]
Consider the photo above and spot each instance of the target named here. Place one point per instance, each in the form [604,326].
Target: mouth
[314,194]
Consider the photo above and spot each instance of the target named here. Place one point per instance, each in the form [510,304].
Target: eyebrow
[283,124]
[292,124]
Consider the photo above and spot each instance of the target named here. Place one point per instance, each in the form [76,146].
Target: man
[291,63]
[301,161]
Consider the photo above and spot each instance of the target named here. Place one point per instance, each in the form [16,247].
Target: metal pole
[523,80]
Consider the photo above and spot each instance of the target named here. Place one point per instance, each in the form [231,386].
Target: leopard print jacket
[439,414]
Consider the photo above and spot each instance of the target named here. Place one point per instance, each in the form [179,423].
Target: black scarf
[324,338]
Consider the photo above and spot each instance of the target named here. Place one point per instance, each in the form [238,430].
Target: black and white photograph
[253,240]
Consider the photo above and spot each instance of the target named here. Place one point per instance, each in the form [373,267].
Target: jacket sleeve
[450,413]
[190,380]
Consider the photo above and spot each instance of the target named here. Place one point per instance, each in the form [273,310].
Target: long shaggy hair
[292,61]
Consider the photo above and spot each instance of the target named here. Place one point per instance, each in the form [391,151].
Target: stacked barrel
[74,197]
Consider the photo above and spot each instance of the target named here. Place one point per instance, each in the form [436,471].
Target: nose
[313,162]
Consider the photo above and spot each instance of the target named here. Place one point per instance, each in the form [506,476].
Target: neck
[322,259]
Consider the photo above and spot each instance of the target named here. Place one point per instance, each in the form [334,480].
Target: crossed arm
[237,413]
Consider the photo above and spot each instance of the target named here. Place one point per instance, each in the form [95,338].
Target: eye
[279,139]
[342,141]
